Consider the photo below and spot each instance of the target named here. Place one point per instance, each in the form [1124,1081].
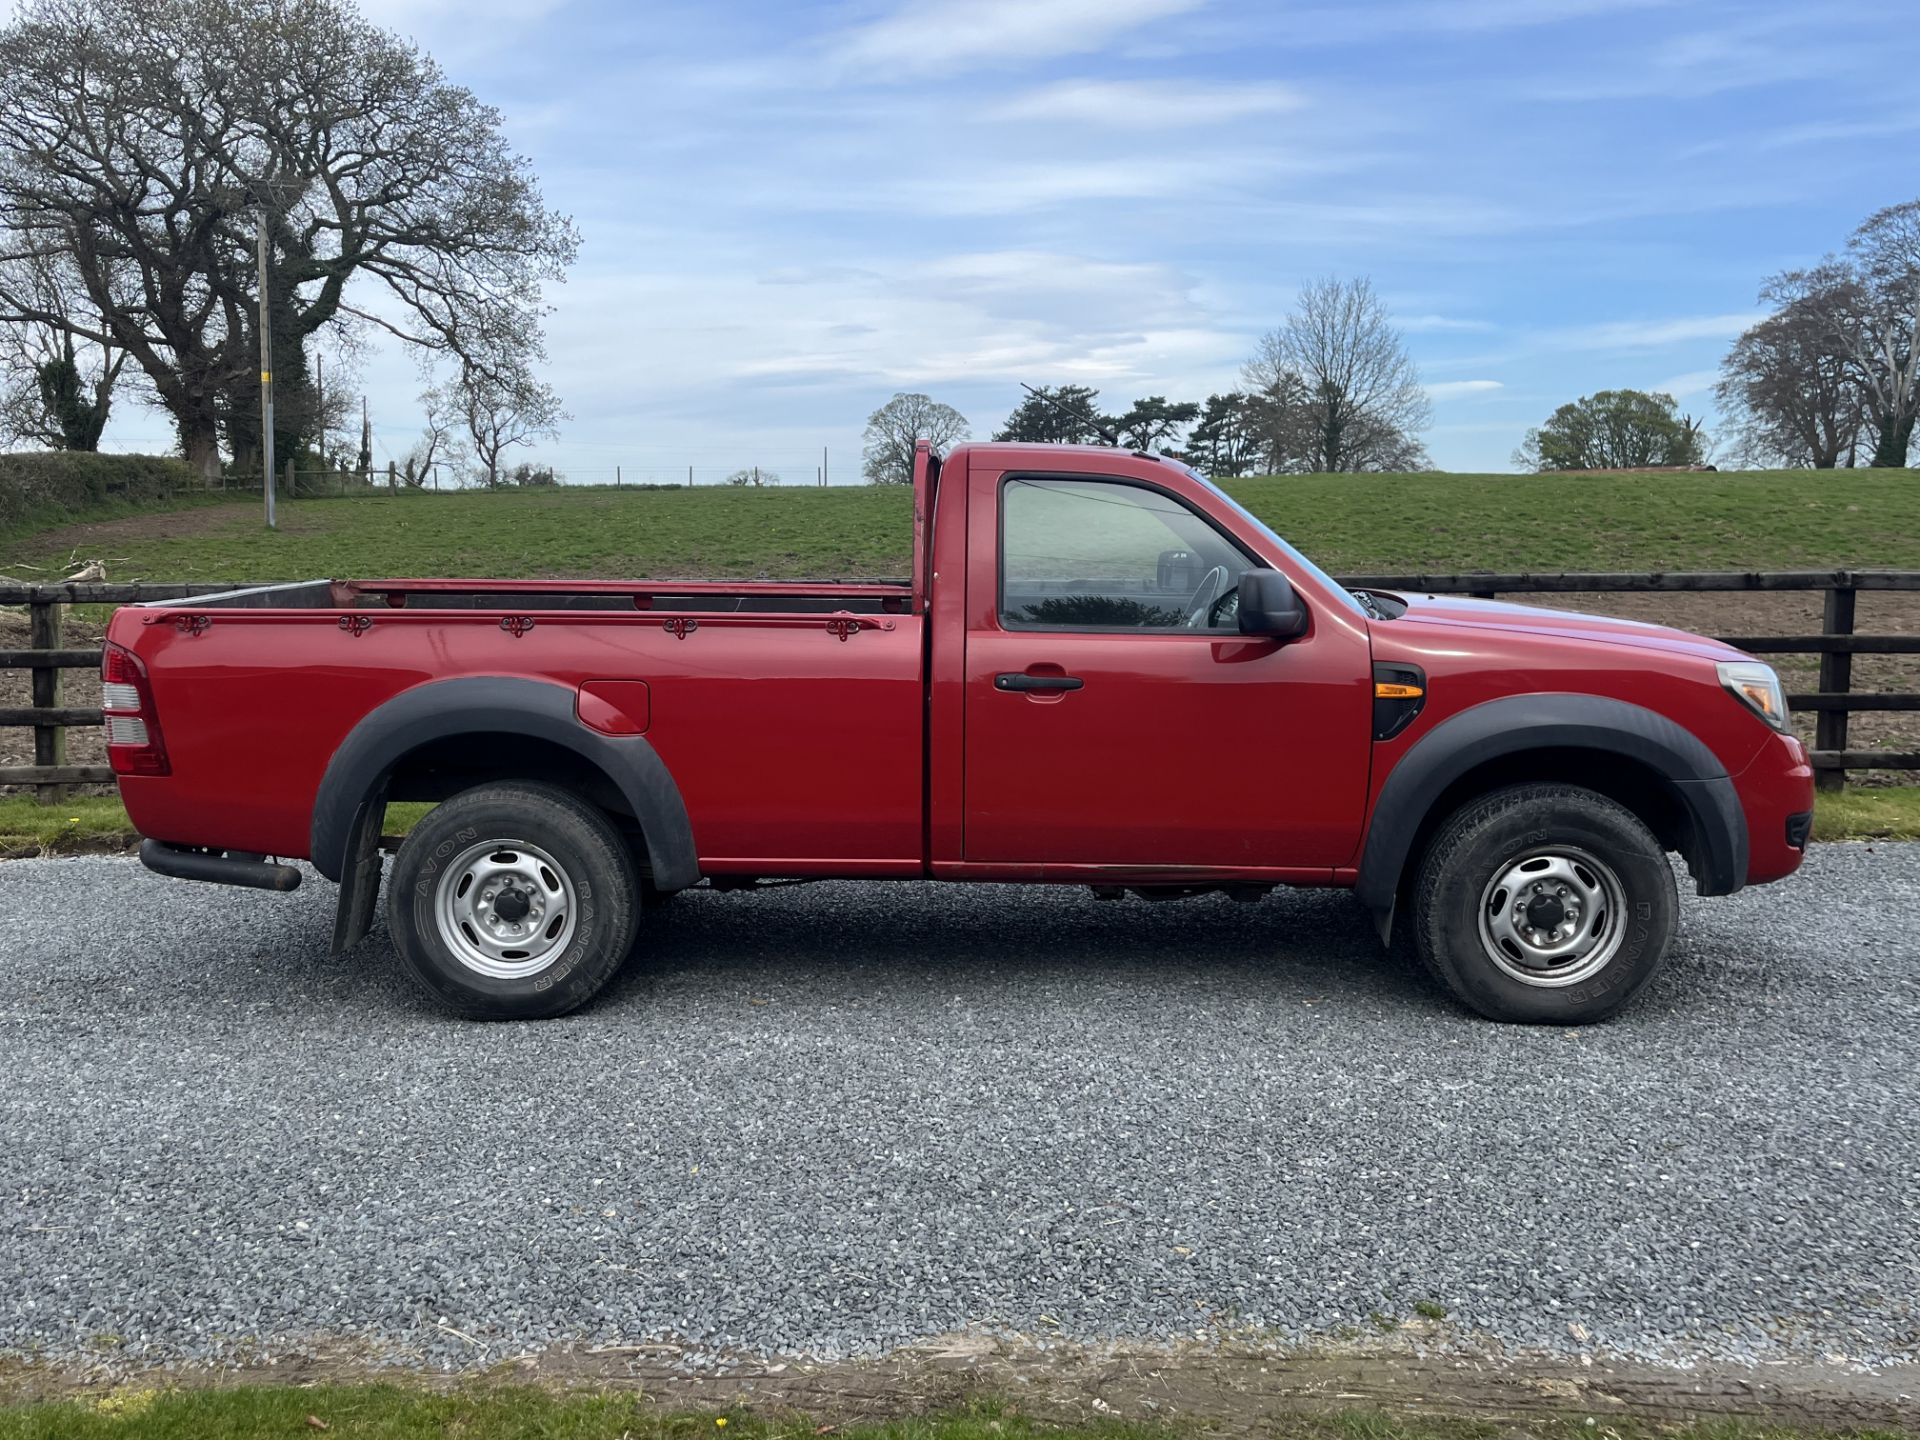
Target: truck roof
[1048,455]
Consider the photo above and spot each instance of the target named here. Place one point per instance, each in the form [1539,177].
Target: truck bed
[790,713]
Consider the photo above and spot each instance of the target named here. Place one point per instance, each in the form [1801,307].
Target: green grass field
[392,1412]
[1432,523]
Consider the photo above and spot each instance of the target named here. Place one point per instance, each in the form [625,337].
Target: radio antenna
[1086,417]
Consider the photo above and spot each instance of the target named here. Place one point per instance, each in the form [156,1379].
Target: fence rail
[1832,705]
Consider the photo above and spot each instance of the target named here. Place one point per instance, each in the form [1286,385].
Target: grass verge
[96,824]
[84,824]
[1348,523]
[1889,814]
[392,1412]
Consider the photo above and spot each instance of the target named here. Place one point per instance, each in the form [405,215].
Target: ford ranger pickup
[1103,671]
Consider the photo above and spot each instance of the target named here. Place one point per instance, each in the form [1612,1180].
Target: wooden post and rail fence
[47,655]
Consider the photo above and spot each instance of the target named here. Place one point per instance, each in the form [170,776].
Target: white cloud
[1146,104]
[1016,188]
[1760,50]
[1652,334]
[1438,324]
[1693,382]
[1448,389]
[464,23]
[925,36]
[992,317]
[1839,131]
[1381,21]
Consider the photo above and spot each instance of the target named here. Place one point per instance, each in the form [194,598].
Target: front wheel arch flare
[498,705]
[1553,721]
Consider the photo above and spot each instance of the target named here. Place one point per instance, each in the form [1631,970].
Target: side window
[1103,555]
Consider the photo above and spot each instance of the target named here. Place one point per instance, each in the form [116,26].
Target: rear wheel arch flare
[449,717]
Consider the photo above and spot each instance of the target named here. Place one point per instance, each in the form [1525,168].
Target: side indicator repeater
[1399,692]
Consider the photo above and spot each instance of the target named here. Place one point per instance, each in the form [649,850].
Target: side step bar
[221,869]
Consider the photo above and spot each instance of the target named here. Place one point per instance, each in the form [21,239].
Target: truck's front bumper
[1776,791]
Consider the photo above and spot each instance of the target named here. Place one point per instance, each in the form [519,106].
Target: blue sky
[790,211]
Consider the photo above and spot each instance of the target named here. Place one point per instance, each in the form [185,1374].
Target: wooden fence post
[1836,678]
[49,741]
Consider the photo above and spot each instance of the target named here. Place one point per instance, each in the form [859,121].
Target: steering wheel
[1212,585]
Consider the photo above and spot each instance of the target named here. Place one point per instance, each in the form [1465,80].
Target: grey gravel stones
[842,1117]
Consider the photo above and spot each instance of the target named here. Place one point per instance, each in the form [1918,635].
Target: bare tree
[1789,394]
[897,426]
[1340,390]
[439,442]
[58,385]
[754,475]
[1865,306]
[1885,252]
[143,139]
[501,409]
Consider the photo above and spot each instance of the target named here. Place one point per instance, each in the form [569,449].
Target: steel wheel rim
[1554,917]
[505,909]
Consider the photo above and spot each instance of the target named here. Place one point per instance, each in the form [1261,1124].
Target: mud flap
[1383,923]
[360,877]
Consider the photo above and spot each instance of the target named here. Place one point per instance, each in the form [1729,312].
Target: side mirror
[1269,606]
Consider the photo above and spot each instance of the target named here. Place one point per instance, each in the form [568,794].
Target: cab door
[1115,716]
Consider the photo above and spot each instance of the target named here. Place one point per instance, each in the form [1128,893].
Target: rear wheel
[1547,904]
[513,902]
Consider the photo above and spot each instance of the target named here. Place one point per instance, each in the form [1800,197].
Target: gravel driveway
[838,1117]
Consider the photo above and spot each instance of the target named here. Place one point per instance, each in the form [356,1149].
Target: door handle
[1014,680]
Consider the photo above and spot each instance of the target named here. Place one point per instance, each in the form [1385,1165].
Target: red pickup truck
[1103,672]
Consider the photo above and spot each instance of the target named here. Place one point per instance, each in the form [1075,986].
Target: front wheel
[513,902]
[1546,904]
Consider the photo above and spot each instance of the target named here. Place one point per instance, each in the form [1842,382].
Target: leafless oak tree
[895,428]
[1336,386]
[140,139]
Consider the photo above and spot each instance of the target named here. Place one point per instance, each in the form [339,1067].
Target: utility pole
[320,409]
[616,477]
[689,477]
[266,371]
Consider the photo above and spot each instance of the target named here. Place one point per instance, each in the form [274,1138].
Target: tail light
[134,746]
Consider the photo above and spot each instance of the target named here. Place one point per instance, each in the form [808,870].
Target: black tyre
[1545,904]
[513,902]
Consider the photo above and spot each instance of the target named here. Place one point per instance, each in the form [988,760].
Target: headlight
[1758,688]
